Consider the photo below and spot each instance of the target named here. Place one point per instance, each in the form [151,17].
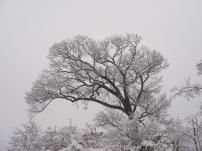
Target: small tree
[117,73]
[193,132]
[26,138]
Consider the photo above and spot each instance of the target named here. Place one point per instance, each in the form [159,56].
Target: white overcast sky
[29,27]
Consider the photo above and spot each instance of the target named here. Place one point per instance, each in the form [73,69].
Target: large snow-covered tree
[116,72]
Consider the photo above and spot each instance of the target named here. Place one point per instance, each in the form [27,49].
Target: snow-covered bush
[26,138]
[112,133]
[91,137]
[121,134]
[53,139]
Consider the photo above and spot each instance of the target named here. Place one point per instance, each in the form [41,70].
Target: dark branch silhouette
[189,89]
[117,73]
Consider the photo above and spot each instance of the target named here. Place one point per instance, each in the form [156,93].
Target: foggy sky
[28,28]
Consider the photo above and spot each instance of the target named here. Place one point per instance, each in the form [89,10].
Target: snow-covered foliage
[58,139]
[113,132]
[26,138]
[121,134]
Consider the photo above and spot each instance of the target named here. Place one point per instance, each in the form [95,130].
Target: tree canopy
[116,72]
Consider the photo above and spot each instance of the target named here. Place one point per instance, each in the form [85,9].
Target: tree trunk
[130,116]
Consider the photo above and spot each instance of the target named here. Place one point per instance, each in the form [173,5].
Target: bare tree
[26,138]
[116,72]
[190,90]
[194,132]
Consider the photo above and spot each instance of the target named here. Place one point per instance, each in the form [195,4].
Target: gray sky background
[29,27]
